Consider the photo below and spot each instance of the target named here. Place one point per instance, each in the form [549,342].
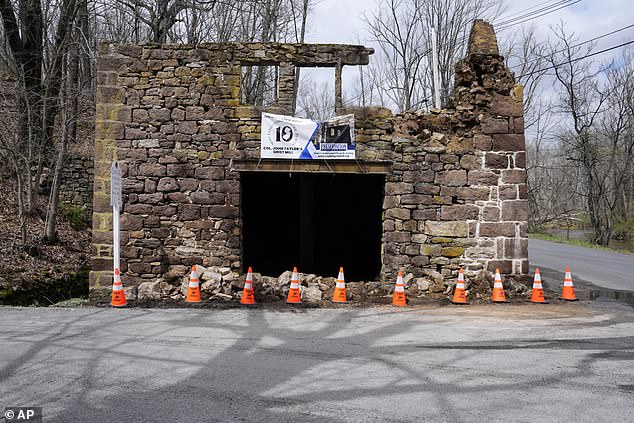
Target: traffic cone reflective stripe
[118,295]
[498,289]
[537,294]
[340,289]
[459,293]
[247,293]
[193,289]
[294,295]
[568,291]
[399,292]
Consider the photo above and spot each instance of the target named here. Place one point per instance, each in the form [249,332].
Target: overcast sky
[340,21]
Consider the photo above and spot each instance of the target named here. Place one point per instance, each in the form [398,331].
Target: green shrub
[78,216]
[623,229]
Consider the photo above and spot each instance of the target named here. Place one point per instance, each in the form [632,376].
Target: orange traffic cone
[537,295]
[340,289]
[568,291]
[399,292]
[193,290]
[294,295]
[498,289]
[459,293]
[118,296]
[247,293]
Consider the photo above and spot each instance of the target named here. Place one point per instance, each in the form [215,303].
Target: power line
[503,27]
[551,7]
[383,80]
[596,53]
[522,17]
[514,15]
[576,59]
[537,13]
[580,44]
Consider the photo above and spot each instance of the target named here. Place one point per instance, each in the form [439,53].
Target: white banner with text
[287,137]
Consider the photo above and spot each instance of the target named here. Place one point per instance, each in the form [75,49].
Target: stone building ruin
[427,194]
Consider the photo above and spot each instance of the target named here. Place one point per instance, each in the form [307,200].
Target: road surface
[493,363]
[602,268]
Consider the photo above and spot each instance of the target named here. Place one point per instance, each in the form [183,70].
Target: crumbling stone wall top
[482,39]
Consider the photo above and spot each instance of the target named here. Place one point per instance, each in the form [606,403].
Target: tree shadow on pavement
[271,366]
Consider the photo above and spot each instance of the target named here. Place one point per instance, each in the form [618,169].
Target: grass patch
[575,242]
[73,303]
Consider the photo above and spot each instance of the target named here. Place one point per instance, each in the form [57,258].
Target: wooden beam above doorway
[312,166]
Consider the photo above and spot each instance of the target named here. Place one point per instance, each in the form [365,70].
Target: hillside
[41,274]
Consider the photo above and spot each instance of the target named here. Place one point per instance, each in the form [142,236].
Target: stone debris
[223,297]
[311,294]
[316,289]
[150,290]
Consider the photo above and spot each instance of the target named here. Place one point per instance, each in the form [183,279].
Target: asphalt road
[494,363]
[602,268]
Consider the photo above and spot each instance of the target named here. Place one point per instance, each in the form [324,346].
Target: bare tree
[552,183]
[155,19]
[526,56]
[402,30]
[616,143]
[581,101]
[13,156]
[37,41]
[300,15]
[550,193]
[69,95]
[397,26]
[452,22]
[196,21]
[23,28]
[316,101]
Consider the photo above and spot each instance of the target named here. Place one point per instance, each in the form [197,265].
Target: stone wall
[455,195]
[77,182]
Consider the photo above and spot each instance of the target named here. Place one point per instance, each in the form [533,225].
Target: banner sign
[287,137]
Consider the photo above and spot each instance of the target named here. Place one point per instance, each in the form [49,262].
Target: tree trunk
[50,229]
[302,35]
[69,129]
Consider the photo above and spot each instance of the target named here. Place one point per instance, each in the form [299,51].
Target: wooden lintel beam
[312,166]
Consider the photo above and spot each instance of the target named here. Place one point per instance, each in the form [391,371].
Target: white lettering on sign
[287,137]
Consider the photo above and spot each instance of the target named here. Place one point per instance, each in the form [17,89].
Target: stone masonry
[77,182]
[455,192]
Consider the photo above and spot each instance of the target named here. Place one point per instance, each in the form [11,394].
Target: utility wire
[522,17]
[552,7]
[514,15]
[383,80]
[503,27]
[580,44]
[576,59]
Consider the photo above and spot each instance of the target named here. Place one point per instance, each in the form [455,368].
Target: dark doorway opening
[317,222]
